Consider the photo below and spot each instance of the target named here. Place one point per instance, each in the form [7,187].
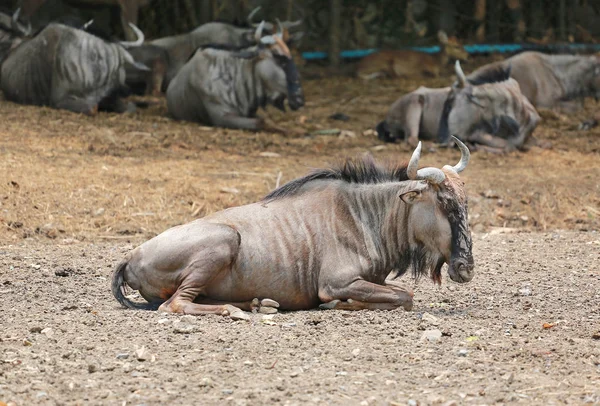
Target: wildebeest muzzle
[294,88]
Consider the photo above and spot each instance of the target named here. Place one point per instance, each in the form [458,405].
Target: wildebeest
[494,114]
[550,80]
[67,68]
[406,62]
[225,88]
[179,48]
[330,238]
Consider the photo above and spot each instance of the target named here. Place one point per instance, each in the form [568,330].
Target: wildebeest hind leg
[243,123]
[212,256]
[362,294]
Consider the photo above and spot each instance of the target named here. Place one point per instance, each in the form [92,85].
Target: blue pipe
[471,49]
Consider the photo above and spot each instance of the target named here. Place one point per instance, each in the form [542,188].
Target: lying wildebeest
[492,114]
[330,238]
[225,88]
[180,48]
[550,80]
[67,68]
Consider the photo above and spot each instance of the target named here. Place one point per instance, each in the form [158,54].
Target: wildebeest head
[489,106]
[277,70]
[438,217]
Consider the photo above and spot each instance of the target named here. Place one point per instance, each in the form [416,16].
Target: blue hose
[473,49]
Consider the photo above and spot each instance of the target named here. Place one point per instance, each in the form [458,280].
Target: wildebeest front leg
[361,294]
[490,142]
[412,121]
[76,105]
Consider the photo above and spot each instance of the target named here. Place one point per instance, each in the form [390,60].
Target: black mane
[357,170]
[493,75]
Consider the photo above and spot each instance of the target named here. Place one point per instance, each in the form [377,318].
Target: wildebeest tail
[118,290]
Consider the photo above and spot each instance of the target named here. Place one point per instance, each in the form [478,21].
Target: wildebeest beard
[421,262]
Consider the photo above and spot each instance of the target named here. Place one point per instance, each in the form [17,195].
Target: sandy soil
[76,193]
[66,341]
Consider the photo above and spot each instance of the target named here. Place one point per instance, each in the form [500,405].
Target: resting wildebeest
[330,238]
[225,88]
[180,48]
[493,114]
[550,80]
[67,68]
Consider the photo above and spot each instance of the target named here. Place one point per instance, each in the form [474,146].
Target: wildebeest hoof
[269,303]
[329,305]
[264,306]
[235,313]
[408,306]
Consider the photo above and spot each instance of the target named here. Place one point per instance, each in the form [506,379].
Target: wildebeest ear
[411,196]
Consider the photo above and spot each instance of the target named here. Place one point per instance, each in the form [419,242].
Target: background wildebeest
[169,54]
[550,80]
[494,115]
[330,238]
[407,63]
[225,88]
[67,68]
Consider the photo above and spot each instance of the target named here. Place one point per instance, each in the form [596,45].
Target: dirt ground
[77,193]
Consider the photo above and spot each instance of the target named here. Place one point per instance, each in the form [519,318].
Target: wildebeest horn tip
[139,34]
[465,155]
[413,164]
[462,80]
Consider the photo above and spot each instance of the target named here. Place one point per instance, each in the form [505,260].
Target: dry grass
[65,176]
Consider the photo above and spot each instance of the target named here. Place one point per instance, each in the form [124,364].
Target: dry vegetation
[69,176]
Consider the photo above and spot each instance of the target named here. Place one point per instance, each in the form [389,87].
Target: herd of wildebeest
[335,238]
[220,74]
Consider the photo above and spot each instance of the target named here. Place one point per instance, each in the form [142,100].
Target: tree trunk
[447,17]
[516,14]
[493,21]
[335,11]
[480,20]
[191,12]
[204,11]
[562,20]
[537,19]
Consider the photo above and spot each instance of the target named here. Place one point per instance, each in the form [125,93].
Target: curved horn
[251,16]
[462,80]
[465,155]
[267,26]
[140,37]
[432,175]
[258,32]
[413,164]
[86,25]
[296,23]
[14,24]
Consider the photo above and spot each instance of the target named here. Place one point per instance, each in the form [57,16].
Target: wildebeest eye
[474,100]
